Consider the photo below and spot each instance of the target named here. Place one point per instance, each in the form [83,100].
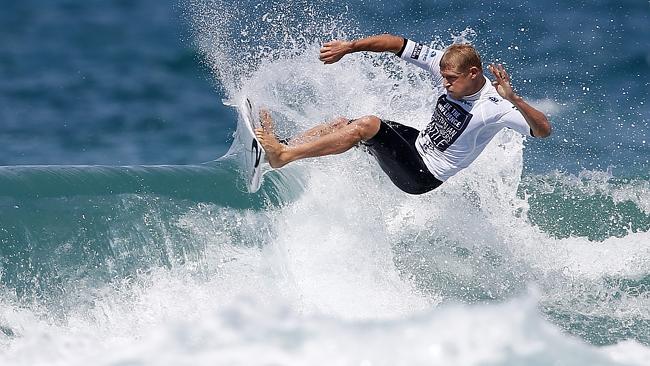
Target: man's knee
[340,122]
[368,126]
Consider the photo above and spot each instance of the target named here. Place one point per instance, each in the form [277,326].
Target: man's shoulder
[493,107]
[493,100]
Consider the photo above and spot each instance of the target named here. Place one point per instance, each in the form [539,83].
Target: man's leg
[338,140]
[317,131]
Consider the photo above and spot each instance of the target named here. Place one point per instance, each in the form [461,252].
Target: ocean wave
[593,204]
[218,181]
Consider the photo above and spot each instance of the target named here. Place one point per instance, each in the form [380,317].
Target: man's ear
[474,72]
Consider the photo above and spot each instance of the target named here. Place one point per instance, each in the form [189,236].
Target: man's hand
[333,51]
[502,82]
[537,121]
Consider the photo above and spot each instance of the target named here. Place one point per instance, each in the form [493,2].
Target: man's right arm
[539,124]
[333,51]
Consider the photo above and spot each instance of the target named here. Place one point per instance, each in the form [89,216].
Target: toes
[265,117]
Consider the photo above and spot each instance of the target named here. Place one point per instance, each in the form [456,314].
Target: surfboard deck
[254,155]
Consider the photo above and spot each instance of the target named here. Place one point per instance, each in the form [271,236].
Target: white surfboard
[254,155]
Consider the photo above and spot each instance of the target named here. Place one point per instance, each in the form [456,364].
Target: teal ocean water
[127,235]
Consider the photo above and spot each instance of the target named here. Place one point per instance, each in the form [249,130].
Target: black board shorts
[394,148]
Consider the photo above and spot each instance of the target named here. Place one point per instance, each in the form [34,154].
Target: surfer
[467,115]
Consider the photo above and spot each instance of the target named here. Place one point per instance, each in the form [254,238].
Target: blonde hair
[460,57]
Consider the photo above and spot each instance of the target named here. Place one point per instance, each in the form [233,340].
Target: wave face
[511,262]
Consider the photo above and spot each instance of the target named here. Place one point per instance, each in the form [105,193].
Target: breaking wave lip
[218,181]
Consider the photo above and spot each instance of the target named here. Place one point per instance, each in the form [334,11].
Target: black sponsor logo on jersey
[416,51]
[428,55]
[494,99]
[448,122]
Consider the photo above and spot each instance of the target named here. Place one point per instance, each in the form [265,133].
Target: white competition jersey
[459,129]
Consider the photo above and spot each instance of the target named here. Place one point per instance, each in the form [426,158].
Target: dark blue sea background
[120,82]
[127,238]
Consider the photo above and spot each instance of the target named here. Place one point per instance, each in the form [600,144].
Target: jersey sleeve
[515,120]
[423,56]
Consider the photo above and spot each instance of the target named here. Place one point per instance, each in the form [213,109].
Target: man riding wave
[465,118]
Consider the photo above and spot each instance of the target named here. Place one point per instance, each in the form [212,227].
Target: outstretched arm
[537,121]
[333,51]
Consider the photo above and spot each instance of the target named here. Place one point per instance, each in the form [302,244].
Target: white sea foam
[248,331]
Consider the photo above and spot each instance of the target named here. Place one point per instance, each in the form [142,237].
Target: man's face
[458,84]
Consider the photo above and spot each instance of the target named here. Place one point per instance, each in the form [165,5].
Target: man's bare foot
[267,122]
[276,152]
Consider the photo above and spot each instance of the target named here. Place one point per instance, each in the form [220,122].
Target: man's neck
[478,86]
[480,83]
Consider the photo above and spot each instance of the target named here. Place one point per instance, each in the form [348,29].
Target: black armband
[399,54]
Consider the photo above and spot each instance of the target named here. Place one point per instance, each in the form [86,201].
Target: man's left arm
[539,124]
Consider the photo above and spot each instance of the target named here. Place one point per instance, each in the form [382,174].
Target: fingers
[328,56]
[329,47]
[331,52]
[325,52]
[329,60]
[499,72]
